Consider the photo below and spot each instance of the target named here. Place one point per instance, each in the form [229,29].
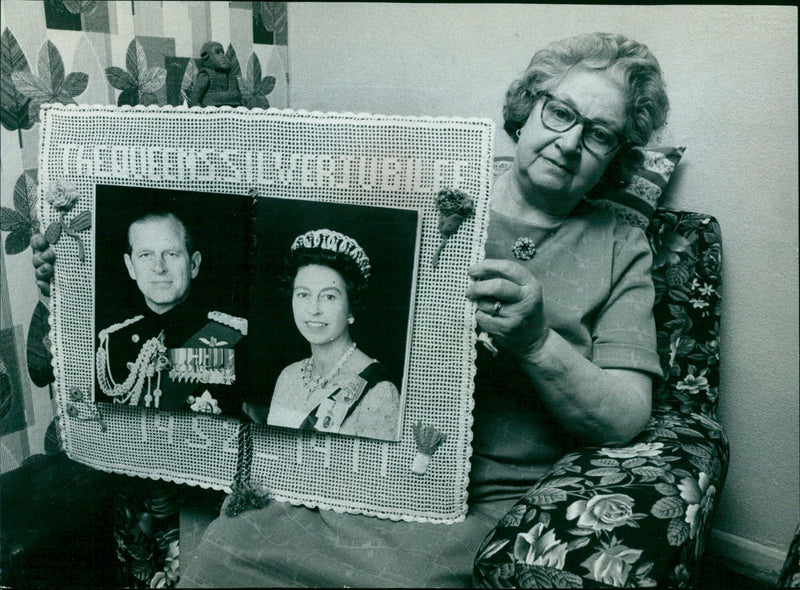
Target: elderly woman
[566,298]
[565,294]
[565,288]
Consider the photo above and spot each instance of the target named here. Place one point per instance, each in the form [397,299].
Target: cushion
[638,185]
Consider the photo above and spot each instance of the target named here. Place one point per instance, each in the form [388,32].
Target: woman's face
[554,169]
[320,304]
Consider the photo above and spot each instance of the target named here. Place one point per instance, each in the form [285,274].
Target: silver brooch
[524,248]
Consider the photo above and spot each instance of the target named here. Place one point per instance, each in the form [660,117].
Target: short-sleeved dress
[595,275]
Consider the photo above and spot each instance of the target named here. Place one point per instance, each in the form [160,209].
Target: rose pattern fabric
[603,512]
[638,515]
[790,572]
[535,548]
[612,564]
[145,521]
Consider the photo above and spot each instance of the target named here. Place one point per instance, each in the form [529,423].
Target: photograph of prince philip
[170,316]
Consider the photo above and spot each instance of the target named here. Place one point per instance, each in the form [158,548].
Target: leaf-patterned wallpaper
[124,52]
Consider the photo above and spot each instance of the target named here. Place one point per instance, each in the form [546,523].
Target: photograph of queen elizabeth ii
[330,343]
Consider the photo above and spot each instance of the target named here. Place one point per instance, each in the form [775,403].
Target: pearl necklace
[312,383]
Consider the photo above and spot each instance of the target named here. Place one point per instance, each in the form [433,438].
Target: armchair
[637,515]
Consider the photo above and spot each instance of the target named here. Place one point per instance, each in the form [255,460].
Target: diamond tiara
[327,239]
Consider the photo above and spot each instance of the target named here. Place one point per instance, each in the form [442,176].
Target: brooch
[524,248]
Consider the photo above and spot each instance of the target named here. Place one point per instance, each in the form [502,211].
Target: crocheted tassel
[428,440]
[246,496]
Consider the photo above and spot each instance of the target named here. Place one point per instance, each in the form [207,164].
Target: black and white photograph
[399,295]
[170,298]
[331,300]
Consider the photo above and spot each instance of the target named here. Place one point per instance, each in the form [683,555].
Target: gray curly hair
[630,62]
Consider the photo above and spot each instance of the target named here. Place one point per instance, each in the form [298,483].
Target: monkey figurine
[216,84]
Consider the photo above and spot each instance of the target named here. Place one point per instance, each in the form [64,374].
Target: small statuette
[524,248]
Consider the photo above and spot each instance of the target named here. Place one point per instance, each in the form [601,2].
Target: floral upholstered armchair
[638,515]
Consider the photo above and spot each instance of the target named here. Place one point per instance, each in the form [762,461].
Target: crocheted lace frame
[328,471]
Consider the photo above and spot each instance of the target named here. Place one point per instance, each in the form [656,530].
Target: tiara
[327,239]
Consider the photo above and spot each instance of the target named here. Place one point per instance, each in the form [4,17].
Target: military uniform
[183,359]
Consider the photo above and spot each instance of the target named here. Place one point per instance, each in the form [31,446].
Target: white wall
[732,79]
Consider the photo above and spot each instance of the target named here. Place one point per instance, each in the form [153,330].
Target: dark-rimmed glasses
[596,137]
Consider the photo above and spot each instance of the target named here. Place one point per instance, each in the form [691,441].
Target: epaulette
[232,321]
[103,334]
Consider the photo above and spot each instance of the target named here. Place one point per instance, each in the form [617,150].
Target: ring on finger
[496,309]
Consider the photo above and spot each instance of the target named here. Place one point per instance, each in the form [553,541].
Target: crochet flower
[62,195]
[205,404]
[454,207]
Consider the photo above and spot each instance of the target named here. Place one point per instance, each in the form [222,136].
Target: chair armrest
[635,515]
[145,523]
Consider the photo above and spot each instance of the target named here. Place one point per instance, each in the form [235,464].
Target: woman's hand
[44,257]
[518,323]
[604,406]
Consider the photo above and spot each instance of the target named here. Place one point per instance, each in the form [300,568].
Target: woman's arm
[603,406]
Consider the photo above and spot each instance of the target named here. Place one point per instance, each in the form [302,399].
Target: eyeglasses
[596,137]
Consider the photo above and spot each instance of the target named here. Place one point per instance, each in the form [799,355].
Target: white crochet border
[326,471]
